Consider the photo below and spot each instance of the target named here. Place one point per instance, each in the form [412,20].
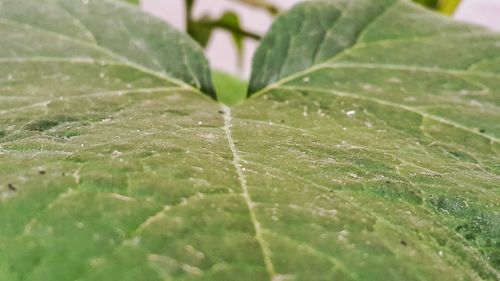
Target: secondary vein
[266,253]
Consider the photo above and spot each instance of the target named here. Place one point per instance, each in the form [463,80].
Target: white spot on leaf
[351,113]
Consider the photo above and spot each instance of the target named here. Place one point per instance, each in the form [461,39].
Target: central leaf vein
[266,253]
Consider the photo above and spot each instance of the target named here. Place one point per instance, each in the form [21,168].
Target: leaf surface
[375,156]
[101,31]
[383,105]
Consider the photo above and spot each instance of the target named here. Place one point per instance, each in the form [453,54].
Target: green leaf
[107,31]
[407,112]
[231,22]
[446,7]
[231,90]
[134,2]
[202,29]
[373,157]
[261,4]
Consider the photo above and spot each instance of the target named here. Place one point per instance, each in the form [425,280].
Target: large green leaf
[370,152]
[446,7]
[106,31]
[407,112]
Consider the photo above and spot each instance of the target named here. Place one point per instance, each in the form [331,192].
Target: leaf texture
[377,78]
[105,31]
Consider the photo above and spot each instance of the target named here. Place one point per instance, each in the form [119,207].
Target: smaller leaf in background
[446,7]
[230,21]
[135,2]
[201,30]
[231,90]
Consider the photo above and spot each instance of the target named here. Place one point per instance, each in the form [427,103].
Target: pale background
[221,52]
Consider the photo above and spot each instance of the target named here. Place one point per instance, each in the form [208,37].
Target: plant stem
[189,13]
[238,31]
[272,9]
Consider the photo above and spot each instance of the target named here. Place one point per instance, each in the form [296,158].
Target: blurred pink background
[222,53]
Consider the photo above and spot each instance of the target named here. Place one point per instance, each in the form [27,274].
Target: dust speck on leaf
[11,187]
[351,113]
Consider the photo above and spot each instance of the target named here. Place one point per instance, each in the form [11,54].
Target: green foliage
[261,4]
[202,29]
[368,150]
[231,90]
[446,7]
[135,2]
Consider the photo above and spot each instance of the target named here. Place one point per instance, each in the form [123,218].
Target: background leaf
[135,2]
[231,90]
[263,4]
[446,7]
[128,37]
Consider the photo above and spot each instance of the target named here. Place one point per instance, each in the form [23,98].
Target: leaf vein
[110,53]
[492,139]
[266,253]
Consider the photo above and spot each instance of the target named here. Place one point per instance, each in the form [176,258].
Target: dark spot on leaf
[11,187]
[221,112]
[470,236]
[40,125]
[282,121]
[279,97]
[482,131]
[67,133]
[177,112]
[388,182]
[469,230]
[399,192]
[42,172]
[46,124]
[463,156]
[2,134]
[403,242]
[441,241]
